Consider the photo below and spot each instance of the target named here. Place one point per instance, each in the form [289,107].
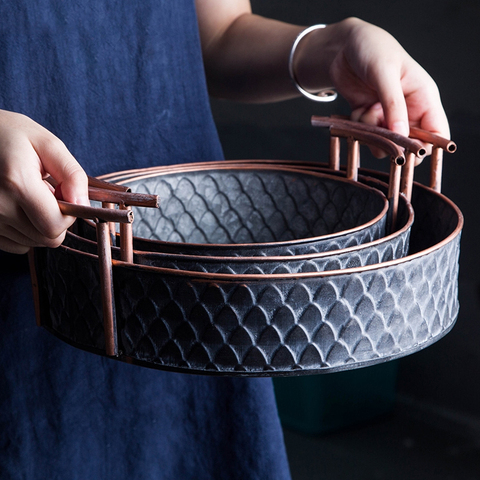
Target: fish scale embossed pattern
[289,322]
[313,324]
[229,207]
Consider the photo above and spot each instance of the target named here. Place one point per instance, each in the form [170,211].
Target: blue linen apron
[122,84]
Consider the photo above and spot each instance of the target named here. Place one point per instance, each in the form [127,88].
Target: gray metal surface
[256,211]
[267,324]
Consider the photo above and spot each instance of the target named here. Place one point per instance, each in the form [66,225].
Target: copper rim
[226,277]
[149,173]
[279,258]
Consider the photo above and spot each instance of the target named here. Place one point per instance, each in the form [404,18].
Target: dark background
[439,386]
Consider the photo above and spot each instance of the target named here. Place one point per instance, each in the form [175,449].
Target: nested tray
[381,250]
[258,324]
[392,246]
[265,324]
[255,210]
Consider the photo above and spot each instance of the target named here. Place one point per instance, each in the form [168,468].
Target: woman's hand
[382,83]
[246,59]
[29,212]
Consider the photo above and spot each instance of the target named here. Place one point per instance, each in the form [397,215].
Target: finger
[371,116]
[434,119]
[16,225]
[62,166]
[28,204]
[29,211]
[35,197]
[10,246]
[29,237]
[392,99]
[356,115]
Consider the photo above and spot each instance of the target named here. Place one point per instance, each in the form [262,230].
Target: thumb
[72,187]
[71,179]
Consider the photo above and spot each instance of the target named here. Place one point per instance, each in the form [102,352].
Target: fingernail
[401,128]
[83,201]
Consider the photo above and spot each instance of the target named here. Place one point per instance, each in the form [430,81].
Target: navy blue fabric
[122,84]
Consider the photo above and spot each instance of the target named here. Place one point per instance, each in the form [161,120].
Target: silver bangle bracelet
[325,94]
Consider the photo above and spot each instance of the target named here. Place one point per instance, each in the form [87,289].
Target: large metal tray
[258,324]
[264,324]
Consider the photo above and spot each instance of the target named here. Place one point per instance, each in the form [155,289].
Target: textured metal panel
[281,326]
[264,324]
[380,250]
[249,212]
[367,254]
[70,291]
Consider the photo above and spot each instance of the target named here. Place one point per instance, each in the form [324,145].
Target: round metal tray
[255,210]
[288,323]
[266,324]
[148,252]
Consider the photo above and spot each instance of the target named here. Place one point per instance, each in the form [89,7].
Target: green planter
[325,403]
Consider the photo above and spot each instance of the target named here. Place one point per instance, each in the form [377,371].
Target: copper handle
[408,143]
[354,136]
[435,140]
[97,214]
[414,150]
[123,197]
[97,183]
[109,194]
[370,138]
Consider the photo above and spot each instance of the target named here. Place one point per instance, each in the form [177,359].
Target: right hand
[382,83]
[29,212]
